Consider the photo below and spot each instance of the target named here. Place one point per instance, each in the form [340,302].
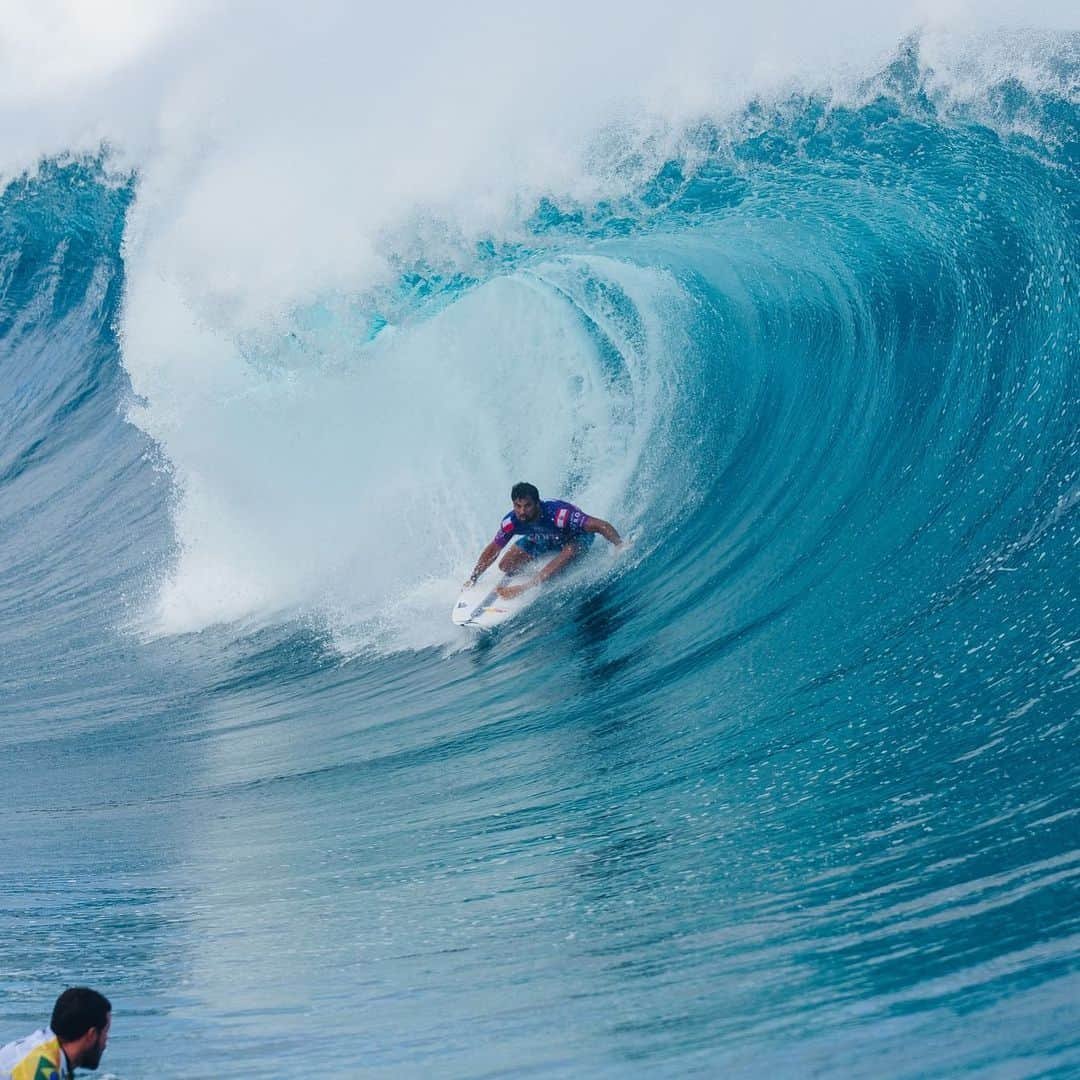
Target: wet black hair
[77,1010]
[524,491]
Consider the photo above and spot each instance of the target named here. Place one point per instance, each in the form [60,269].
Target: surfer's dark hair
[524,491]
[77,1010]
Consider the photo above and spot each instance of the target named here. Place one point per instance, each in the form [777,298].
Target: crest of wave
[292,162]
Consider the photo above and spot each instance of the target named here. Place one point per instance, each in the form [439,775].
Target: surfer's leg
[515,559]
[567,554]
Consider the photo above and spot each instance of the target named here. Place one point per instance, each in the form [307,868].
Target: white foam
[279,146]
[341,489]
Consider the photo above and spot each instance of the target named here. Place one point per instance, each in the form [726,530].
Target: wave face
[791,786]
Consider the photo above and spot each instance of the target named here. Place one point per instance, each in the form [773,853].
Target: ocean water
[790,787]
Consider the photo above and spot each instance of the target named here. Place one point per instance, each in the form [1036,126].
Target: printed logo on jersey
[46,1070]
[560,517]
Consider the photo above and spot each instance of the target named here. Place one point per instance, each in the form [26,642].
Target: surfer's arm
[605,529]
[487,557]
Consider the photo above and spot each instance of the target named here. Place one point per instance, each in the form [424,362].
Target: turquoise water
[790,788]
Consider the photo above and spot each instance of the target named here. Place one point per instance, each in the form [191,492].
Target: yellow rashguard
[37,1057]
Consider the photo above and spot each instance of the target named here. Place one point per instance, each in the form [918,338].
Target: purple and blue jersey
[560,523]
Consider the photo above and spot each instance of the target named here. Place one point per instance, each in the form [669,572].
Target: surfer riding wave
[544,526]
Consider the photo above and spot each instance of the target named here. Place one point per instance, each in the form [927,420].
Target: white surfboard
[480,605]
